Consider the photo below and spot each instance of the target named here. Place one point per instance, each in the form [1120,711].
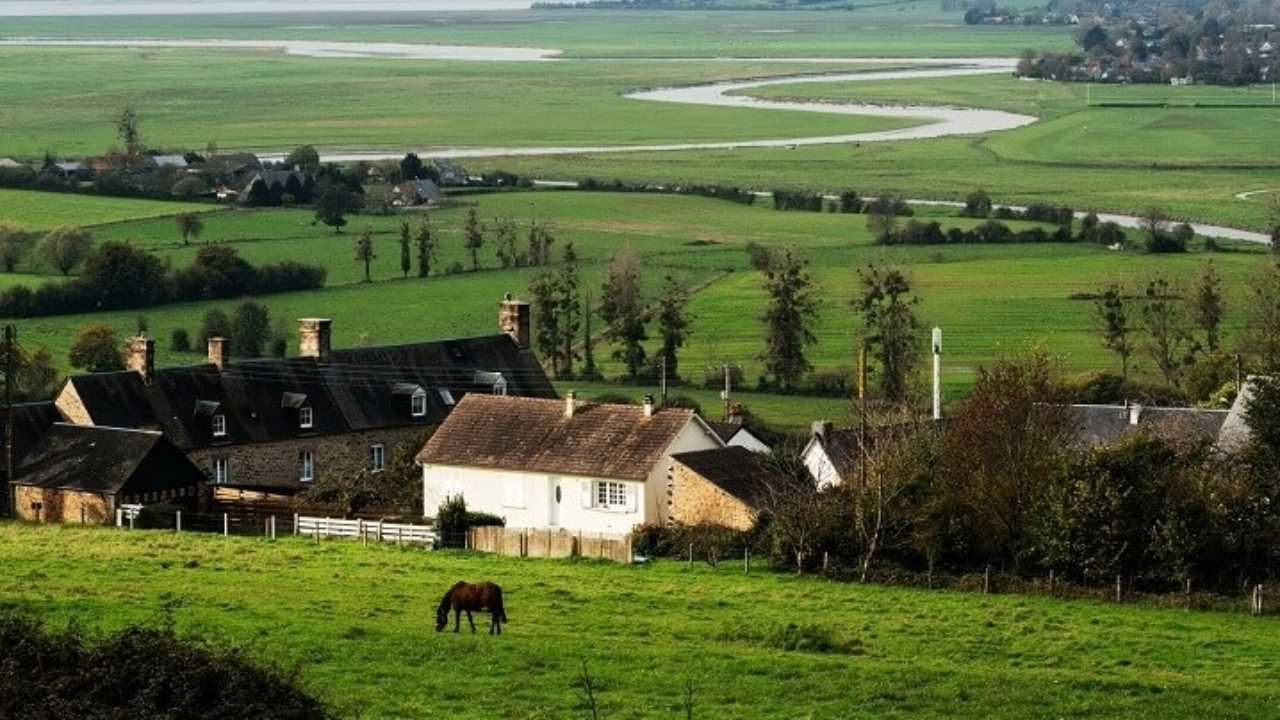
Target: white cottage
[539,463]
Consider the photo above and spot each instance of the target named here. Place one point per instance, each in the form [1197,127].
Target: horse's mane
[449,593]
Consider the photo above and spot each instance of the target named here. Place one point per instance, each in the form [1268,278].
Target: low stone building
[279,425]
[726,486]
[79,474]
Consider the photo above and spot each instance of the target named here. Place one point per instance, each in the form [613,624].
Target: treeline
[1007,488]
[719,192]
[118,276]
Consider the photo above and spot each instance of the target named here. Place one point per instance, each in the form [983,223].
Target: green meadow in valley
[358,623]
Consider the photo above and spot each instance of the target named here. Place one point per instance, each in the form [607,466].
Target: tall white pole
[937,373]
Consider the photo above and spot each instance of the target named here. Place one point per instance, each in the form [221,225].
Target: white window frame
[418,403]
[500,386]
[446,396]
[306,417]
[221,471]
[219,424]
[610,495]
[377,457]
[306,466]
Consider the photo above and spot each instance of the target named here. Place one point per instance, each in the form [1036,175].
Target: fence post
[119,517]
[986,581]
[177,521]
[82,522]
[295,524]
[131,518]
[1119,589]
[1255,607]
[226,525]
[746,561]
[273,526]
[364,533]
[379,530]
[825,561]
[1050,581]
[399,536]
[690,556]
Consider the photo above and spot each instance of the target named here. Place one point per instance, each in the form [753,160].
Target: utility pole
[664,381]
[937,373]
[862,414]
[728,391]
[10,343]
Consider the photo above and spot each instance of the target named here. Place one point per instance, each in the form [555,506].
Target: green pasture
[263,100]
[898,30]
[990,300]
[358,623]
[1076,134]
[45,210]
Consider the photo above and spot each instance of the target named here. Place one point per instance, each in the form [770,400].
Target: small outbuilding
[83,474]
[415,193]
[726,486]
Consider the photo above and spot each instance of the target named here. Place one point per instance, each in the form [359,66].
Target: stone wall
[64,506]
[276,464]
[694,500]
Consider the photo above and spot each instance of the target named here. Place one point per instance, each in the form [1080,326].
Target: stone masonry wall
[697,501]
[65,506]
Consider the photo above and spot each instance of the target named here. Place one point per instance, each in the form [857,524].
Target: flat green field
[45,210]
[359,623]
[902,30]
[264,100]
[988,299]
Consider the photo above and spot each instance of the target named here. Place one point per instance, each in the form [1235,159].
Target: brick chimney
[315,338]
[218,352]
[515,319]
[648,406]
[142,357]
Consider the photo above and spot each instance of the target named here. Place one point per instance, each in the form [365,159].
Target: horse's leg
[457,619]
[472,621]
[497,626]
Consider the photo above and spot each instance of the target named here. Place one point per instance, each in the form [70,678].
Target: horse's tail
[501,609]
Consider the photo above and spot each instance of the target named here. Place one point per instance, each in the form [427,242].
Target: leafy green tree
[365,253]
[96,349]
[335,202]
[180,341]
[504,240]
[542,289]
[1111,311]
[426,246]
[1263,322]
[589,369]
[120,275]
[889,327]
[129,131]
[673,326]
[540,241]
[34,377]
[406,256]
[216,324]
[788,320]
[64,247]
[569,303]
[250,330]
[1209,306]
[978,205]
[305,159]
[411,167]
[1170,342]
[622,309]
[473,234]
[15,244]
[190,226]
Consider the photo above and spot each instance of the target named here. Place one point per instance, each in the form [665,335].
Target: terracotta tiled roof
[531,434]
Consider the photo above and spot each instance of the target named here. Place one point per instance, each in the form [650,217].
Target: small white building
[559,464]
[830,456]
[736,434]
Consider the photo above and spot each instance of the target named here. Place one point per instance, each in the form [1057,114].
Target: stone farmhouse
[726,486]
[560,464]
[79,474]
[266,429]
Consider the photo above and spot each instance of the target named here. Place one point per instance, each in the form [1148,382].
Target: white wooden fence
[364,530]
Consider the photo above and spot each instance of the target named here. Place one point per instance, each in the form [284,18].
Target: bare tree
[587,686]
[1169,339]
[800,512]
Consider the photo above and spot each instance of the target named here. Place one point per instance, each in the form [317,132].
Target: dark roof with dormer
[355,390]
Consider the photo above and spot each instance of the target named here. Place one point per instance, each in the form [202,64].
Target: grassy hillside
[988,299]
[45,210]
[358,622]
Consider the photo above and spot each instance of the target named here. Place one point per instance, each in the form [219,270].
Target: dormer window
[219,425]
[446,397]
[306,419]
[418,403]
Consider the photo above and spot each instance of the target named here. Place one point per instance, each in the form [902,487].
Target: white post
[131,517]
[937,373]
[226,525]
[177,522]
[119,517]
[295,523]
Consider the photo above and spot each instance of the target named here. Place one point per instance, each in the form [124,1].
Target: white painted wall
[744,438]
[820,467]
[524,499]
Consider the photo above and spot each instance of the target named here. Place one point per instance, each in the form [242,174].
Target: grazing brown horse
[465,597]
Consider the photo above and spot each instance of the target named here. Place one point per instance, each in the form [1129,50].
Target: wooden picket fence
[365,530]
[533,543]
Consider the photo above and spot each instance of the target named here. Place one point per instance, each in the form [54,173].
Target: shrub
[138,673]
[453,520]
[180,341]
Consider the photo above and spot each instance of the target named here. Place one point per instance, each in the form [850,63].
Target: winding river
[933,121]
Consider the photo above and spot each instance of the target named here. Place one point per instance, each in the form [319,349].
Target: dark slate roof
[355,390]
[529,434]
[421,189]
[736,470]
[841,447]
[31,421]
[1102,425]
[105,460]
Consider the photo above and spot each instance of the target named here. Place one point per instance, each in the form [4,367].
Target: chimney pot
[217,352]
[142,357]
[570,402]
[515,319]
[648,406]
[315,337]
